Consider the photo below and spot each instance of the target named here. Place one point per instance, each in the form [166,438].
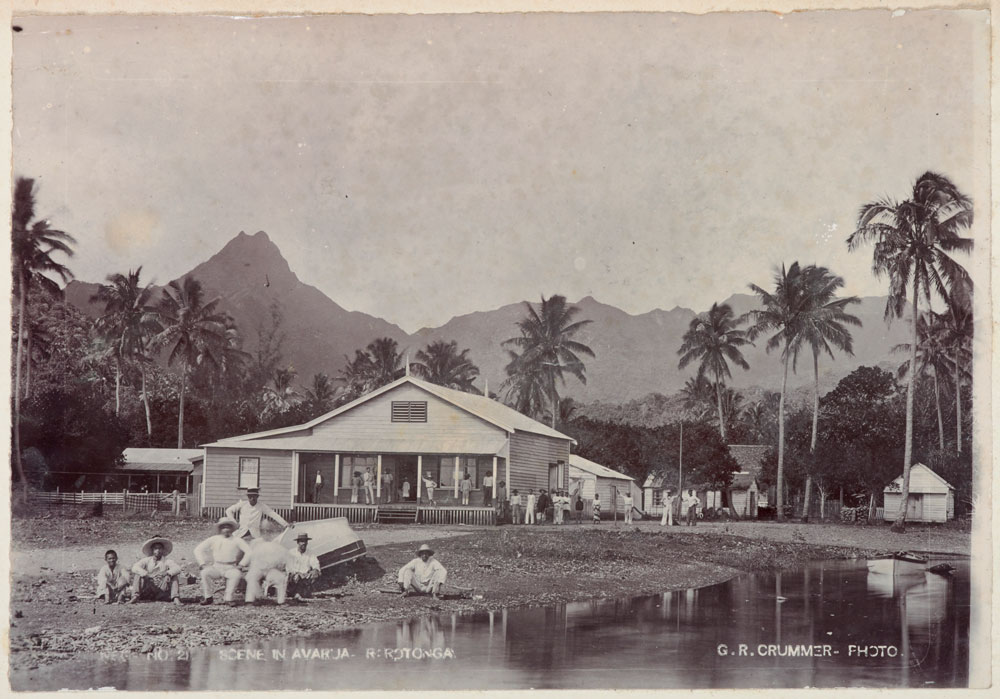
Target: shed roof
[375,445]
[750,457]
[922,480]
[583,464]
[487,409]
[176,460]
[742,481]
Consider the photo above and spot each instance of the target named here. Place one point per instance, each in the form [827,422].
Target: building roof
[583,464]
[750,457]
[374,445]
[742,481]
[176,460]
[487,409]
[922,480]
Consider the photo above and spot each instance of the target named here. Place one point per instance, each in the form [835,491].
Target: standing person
[429,486]
[465,487]
[557,507]
[628,506]
[668,508]
[317,486]
[422,575]
[112,580]
[303,570]
[249,514]
[690,502]
[387,485]
[566,505]
[369,481]
[227,553]
[156,576]
[406,487]
[579,509]
[517,507]
[355,486]
[597,508]
[502,505]
[488,490]
[548,509]
[529,509]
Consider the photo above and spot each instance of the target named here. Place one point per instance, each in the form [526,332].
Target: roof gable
[597,469]
[923,470]
[484,408]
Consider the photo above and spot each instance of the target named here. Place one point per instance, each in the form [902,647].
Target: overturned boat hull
[333,541]
[901,563]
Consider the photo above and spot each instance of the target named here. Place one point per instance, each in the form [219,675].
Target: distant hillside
[636,355]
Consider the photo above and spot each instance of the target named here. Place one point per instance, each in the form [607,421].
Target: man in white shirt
[303,569]
[266,567]
[318,487]
[249,514]
[529,508]
[668,508]
[156,575]
[690,503]
[627,500]
[227,553]
[488,490]
[422,575]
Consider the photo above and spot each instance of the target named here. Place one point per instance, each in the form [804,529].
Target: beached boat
[333,541]
[899,563]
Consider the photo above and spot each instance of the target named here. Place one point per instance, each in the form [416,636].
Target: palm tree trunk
[812,443]
[17,389]
[145,401]
[27,363]
[781,441]
[554,398]
[899,525]
[937,401]
[118,385]
[718,400]
[180,414]
[958,404]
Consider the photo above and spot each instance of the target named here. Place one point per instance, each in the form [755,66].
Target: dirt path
[90,557]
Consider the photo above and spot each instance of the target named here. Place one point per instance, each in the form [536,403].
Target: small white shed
[932,498]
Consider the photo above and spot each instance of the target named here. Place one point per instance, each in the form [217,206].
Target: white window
[249,472]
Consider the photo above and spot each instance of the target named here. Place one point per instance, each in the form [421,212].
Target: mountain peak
[253,259]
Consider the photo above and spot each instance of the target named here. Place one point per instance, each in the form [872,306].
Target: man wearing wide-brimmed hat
[249,514]
[156,575]
[303,569]
[423,575]
[227,553]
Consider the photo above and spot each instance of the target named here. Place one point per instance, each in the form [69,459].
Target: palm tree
[715,340]
[913,243]
[823,329]
[781,313]
[195,331]
[526,387]
[957,334]
[933,357]
[321,395]
[699,398]
[441,363]
[548,350]
[281,396]
[129,323]
[756,416]
[378,364]
[33,245]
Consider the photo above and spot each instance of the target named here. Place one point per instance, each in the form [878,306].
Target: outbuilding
[931,498]
[399,438]
[611,485]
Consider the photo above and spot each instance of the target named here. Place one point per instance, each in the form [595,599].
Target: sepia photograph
[500,351]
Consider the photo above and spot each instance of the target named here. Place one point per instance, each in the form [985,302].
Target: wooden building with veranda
[406,435]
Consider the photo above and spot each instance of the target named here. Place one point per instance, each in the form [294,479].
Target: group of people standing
[689,507]
[240,550]
[529,508]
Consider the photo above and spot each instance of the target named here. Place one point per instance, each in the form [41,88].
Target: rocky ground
[54,616]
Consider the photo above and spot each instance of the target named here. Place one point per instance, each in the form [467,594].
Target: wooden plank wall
[221,474]
[530,456]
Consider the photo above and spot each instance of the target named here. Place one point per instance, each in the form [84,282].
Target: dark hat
[253,491]
[303,537]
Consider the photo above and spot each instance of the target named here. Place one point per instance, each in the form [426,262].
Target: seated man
[227,553]
[112,580]
[267,561]
[156,575]
[303,570]
[422,575]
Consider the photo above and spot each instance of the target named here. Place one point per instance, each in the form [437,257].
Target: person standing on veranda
[488,490]
[369,481]
[317,487]
[465,487]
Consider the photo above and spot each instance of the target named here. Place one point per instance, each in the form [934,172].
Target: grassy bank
[54,620]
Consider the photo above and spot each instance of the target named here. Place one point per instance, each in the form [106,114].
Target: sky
[422,167]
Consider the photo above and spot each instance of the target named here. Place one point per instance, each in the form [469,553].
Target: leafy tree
[380,363]
[441,363]
[548,350]
[321,396]
[194,331]
[33,246]
[914,241]
[714,340]
[281,395]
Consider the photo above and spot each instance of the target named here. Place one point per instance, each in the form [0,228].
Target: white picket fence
[176,502]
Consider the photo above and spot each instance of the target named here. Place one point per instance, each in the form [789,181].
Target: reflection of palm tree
[913,243]
[32,248]
[714,340]
[195,332]
[548,351]
[441,363]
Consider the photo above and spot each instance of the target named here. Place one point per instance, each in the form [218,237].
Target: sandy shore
[54,617]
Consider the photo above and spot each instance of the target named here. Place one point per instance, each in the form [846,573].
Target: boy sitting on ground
[156,575]
[112,580]
[422,576]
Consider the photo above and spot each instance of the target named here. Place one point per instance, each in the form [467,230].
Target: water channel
[826,625]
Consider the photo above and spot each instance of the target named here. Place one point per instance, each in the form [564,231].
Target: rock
[92,629]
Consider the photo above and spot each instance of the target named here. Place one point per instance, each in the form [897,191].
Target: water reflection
[743,633]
